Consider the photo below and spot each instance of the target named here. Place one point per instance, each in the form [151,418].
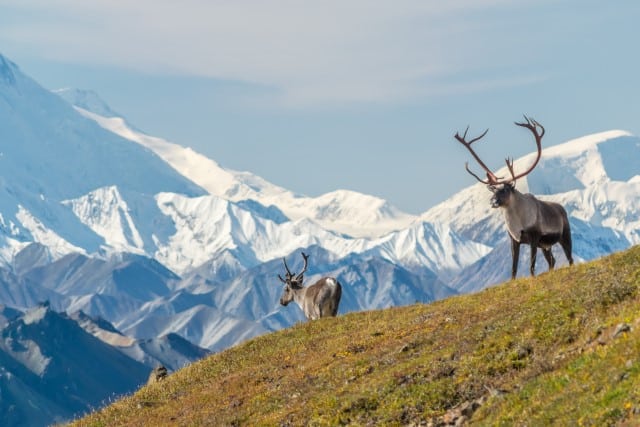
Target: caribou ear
[492,188]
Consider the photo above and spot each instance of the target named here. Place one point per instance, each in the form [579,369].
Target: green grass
[544,342]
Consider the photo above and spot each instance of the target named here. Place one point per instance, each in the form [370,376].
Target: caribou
[318,300]
[530,221]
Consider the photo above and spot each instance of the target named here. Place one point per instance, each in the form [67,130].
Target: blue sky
[343,94]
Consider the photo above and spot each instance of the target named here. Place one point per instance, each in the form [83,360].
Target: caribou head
[503,188]
[293,282]
[318,300]
[529,220]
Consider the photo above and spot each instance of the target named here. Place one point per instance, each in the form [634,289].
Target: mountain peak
[584,162]
[87,100]
[579,144]
[7,69]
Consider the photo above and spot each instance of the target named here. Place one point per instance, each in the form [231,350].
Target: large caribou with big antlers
[318,300]
[529,220]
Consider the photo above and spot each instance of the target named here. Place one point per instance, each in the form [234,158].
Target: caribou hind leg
[565,242]
[548,255]
[532,265]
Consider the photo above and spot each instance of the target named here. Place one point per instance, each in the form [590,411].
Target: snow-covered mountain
[342,211]
[50,153]
[101,193]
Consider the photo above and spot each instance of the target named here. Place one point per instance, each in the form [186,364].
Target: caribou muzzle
[495,202]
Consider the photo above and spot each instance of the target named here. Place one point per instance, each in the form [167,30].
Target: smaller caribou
[318,300]
[531,221]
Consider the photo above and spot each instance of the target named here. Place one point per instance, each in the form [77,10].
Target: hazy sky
[343,94]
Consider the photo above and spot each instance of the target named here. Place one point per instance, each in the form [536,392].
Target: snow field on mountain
[342,211]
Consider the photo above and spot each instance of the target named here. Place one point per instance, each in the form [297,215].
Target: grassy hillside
[560,349]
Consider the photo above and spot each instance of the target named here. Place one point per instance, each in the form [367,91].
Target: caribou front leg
[534,240]
[515,255]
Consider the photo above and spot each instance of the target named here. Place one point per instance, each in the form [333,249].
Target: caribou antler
[492,179]
[304,268]
[289,273]
[533,126]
